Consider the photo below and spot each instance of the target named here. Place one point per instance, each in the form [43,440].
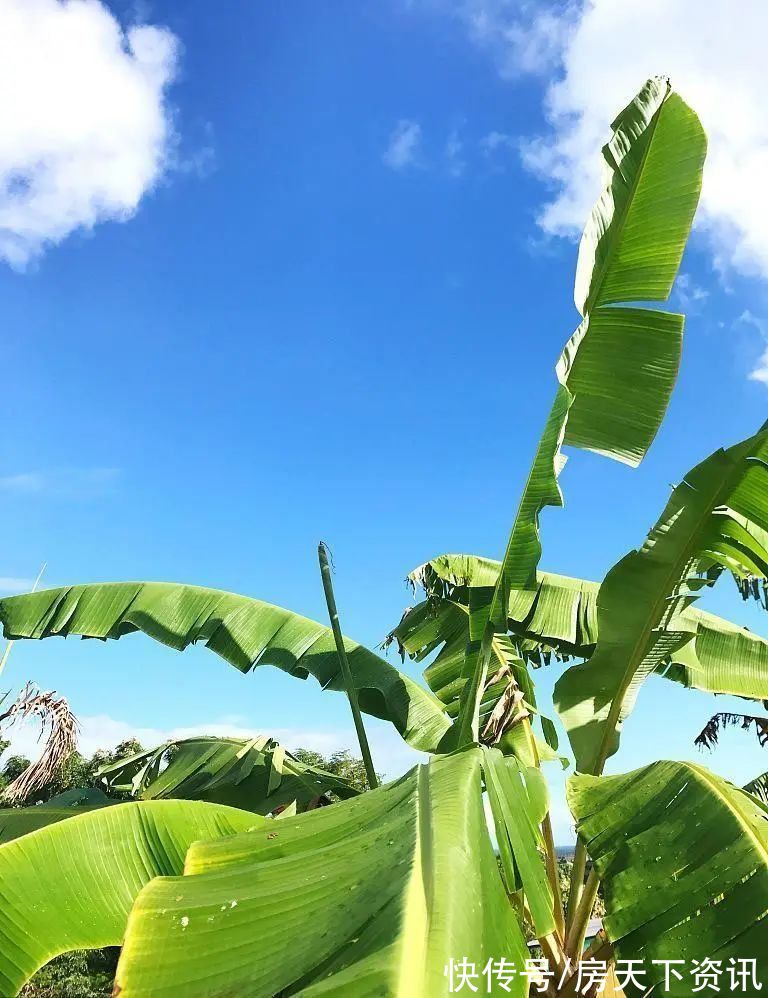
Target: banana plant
[386,892]
[255,774]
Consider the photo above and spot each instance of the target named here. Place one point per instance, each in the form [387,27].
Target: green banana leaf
[758,788]
[245,632]
[444,624]
[561,617]
[255,774]
[518,800]
[71,885]
[683,859]
[617,371]
[715,519]
[18,821]
[376,895]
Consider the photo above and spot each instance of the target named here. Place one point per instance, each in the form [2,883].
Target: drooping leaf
[375,895]
[560,617]
[18,821]
[714,520]
[251,774]
[709,734]
[59,728]
[683,859]
[509,694]
[71,885]
[244,632]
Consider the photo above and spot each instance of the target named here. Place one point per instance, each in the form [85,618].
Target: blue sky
[334,313]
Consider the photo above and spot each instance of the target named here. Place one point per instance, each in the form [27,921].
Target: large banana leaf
[71,885]
[715,519]
[376,895]
[255,774]
[561,615]
[683,859]
[18,821]
[245,632]
[617,371]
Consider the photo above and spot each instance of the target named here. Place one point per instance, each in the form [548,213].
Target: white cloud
[689,295]
[760,371]
[454,149]
[494,141]
[404,146]
[519,36]
[85,130]
[65,483]
[715,62]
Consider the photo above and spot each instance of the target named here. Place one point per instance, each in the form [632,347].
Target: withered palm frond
[709,734]
[58,723]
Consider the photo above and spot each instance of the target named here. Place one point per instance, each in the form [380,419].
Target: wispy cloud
[760,371]
[714,60]
[68,483]
[89,130]
[404,146]
[454,149]
[689,295]
[518,35]
[13,584]
[494,141]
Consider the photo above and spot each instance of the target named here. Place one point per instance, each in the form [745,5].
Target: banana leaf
[376,895]
[683,859]
[758,788]
[254,774]
[18,821]
[71,885]
[518,802]
[715,520]
[560,618]
[244,632]
[617,371]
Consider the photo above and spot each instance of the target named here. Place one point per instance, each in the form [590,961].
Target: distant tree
[341,763]
[77,771]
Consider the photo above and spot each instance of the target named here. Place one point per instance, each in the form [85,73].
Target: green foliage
[256,774]
[377,893]
[76,772]
[82,974]
[247,633]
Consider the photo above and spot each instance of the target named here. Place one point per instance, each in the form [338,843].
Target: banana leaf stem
[574,944]
[577,881]
[550,853]
[330,599]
